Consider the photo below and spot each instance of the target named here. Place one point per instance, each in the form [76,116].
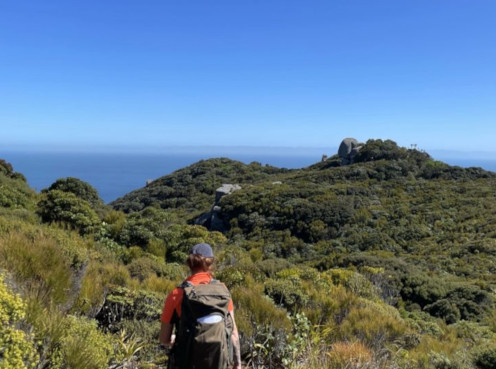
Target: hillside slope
[388,262]
[193,188]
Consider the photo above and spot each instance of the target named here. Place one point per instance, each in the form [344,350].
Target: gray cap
[202,249]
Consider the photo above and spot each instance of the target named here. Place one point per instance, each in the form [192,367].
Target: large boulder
[348,149]
[212,219]
[224,190]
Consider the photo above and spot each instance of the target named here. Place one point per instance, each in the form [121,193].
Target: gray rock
[224,190]
[354,152]
[348,149]
[204,219]
[213,219]
[346,145]
[216,224]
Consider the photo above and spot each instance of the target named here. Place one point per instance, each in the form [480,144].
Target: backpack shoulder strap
[185,284]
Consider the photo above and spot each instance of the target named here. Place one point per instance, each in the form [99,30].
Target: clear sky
[160,73]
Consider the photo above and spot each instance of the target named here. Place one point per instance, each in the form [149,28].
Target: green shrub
[353,281]
[287,293]
[485,358]
[114,221]
[15,193]
[160,285]
[99,276]
[145,267]
[444,309]
[421,289]
[146,229]
[17,349]
[232,255]
[240,274]
[253,309]
[66,208]
[135,234]
[124,304]
[373,324]
[422,322]
[175,271]
[472,302]
[143,337]
[6,168]
[440,361]
[264,327]
[231,276]
[272,266]
[82,346]
[81,189]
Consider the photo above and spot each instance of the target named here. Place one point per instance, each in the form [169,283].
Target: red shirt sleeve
[172,303]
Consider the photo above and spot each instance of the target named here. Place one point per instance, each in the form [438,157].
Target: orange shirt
[175,298]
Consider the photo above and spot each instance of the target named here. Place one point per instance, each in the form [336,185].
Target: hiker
[201,312]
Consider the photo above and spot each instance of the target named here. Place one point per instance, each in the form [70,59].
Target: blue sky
[152,74]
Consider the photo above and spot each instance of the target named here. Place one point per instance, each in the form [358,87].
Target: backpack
[199,344]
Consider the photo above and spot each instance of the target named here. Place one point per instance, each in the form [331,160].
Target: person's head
[201,258]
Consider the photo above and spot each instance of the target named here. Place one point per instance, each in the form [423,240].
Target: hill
[377,257]
[193,188]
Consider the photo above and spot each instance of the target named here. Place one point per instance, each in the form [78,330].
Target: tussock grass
[37,262]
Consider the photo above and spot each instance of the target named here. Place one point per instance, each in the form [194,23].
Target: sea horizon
[114,174]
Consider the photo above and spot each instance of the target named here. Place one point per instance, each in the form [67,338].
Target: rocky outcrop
[224,190]
[212,219]
[348,149]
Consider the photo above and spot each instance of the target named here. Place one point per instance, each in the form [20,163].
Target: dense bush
[64,207]
[7,170]
[380,150]
[123,304]
[145,267]
[141,228]
[180,238]
[485,358]
[81,189]
[82,346]
[287,293]
[14,191]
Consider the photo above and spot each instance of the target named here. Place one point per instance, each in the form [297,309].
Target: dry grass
[347,355]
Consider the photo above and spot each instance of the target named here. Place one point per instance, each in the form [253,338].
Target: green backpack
[203,337]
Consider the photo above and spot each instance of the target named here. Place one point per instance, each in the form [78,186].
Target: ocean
[114,175]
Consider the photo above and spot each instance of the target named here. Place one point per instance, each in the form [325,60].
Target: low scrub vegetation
[385,263]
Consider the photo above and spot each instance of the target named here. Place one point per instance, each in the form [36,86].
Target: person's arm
[169,316]
[236,345]
[166,337]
